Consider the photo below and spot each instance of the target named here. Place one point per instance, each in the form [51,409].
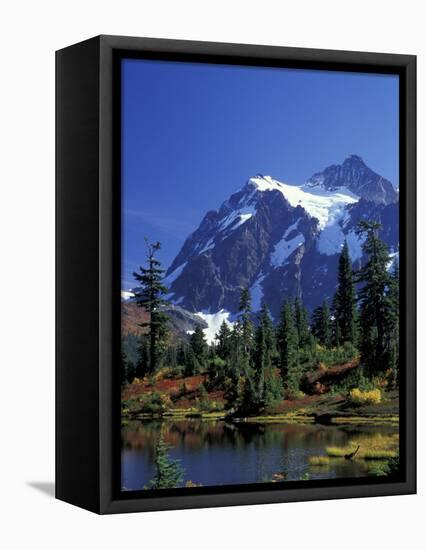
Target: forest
[256,363]
[338,365]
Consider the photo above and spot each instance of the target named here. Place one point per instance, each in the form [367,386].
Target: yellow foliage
[165,400]
[371,397]
[337,452]
[322,367]
[191,484]
[319,460]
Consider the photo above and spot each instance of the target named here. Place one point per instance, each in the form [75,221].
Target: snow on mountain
[126,295]
[214,320]
[280,240]
[236,218]
[327,206]
[287,245]
[356,176]
[318,202]
[256,293]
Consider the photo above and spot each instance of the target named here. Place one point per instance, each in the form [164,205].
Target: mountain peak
[356,176]
[354,158]
[280,240]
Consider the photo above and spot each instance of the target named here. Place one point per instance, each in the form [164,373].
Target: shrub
[335,356]
[385,467]
[393,466]
[355,379]
[149,403]
[176,371]
[189,484]
[370,397]
[378,468]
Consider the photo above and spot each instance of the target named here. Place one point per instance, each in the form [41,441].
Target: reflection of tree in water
[291,440]
[254,451]
[197,433]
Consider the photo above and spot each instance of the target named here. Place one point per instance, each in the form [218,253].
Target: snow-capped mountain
[281,240]
[358,178]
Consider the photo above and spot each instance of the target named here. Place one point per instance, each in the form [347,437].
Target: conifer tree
[168,473]
[245,323]
[345,300]
[223,338]
[287,340]
[240,361]
[235,389]
[392,341]
[375,302]
[150,296]
[321,324]
[142,365]
[264,344]
[301,323]
[124,371]
[182,353]
[243,336]
[199,346]
[335,327]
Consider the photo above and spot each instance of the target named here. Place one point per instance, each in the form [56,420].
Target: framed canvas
[236,284]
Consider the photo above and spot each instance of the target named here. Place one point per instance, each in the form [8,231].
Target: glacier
[214,320]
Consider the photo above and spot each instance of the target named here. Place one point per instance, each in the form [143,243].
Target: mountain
[356,176]
[280,240]
[181,322]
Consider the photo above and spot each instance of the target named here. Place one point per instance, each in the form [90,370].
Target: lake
[220,453]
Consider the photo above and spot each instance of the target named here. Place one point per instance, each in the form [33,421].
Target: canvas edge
[108,503]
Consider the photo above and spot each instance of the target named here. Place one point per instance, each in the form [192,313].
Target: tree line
[256,362]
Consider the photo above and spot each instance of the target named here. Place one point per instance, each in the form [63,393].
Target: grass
[379,447]
[288,418]
[319,460]
[371,420]
[379,454]
[339,452]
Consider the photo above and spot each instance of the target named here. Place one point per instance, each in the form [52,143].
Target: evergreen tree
[150,296]
[243,336]
[168,473]
[301,322]
[142,365]
[182,353]
[375,302]
[223,338]
[335,327]
[345,303]
[392,330]
[241,349]
[287,339]
[199,346]
[245,324]
[126,370]
[321,324]
[264,344]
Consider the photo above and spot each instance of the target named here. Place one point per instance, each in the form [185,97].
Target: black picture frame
[88,265]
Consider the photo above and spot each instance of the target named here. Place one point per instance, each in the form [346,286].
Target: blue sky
[192,134]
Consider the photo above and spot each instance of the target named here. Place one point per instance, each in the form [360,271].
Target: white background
[30,32]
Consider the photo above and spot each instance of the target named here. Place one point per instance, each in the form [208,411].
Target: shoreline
[287,418]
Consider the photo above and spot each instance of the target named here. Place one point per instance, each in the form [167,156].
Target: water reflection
[217,453]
